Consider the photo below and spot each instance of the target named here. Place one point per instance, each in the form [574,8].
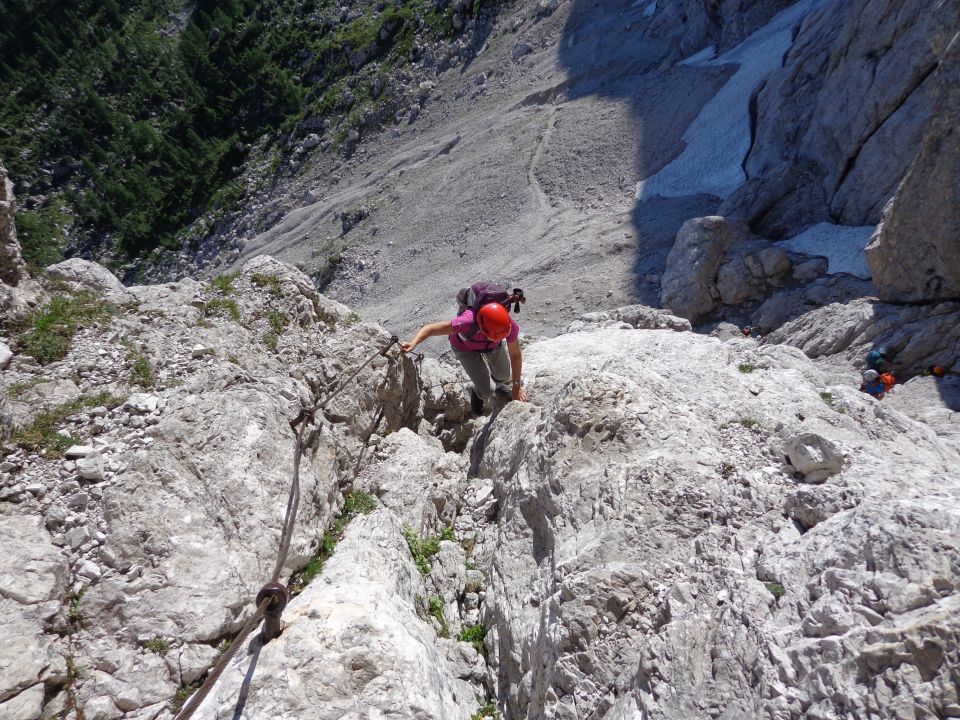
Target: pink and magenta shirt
[461,339]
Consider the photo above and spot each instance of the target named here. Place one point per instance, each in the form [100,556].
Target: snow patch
[701,58]
[718,140]
[841,245]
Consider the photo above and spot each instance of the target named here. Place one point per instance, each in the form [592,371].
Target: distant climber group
[485,340]
[878,379]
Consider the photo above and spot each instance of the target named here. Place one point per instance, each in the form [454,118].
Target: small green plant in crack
[422,549]
[435,608]
[474,634]
[18,390]
[219,306]
[74,612]
[72,709]
[180,699]
[156,645]
[357,503]
[746,367]
[270,282]
[351,319]
[487,710]
[224,283]
[354,503]
[43,436]
[224,645]
[271,341]
[141,371]
[278,321]
[776,589]
[831,401]
[446,533]
[50,330]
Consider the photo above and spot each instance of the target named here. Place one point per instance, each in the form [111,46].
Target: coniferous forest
[125,122]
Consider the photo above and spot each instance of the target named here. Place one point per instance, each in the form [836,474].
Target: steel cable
[200,695]
[293,502]
[290,516]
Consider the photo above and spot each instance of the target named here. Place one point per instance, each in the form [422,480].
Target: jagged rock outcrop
[633,317]
[164,517]
[358,624]
[838,126]
[12,267]
[18,291]
[786,305]
[723,22]
[676,525]
[915,336]
[655,555]
[915,253]
[715,262]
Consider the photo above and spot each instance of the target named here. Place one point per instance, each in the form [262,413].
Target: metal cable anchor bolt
[272,624]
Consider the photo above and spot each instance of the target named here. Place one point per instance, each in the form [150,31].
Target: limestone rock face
[915,336]
[676,526]
[839,124]
[724,23]
[33,580]
[915,253]
[362,625]
[421,484]
[165,516]
[18,291]
[642,564]
[354,645]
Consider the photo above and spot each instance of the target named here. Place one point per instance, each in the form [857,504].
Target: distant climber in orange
[485,339]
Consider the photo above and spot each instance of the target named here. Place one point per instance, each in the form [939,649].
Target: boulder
[80,274]
[815,457]
[417,480]
[90,467]
[715,262]
[915,252]
[521,48]
[688,285]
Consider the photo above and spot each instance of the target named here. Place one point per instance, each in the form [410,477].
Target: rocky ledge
[676,526]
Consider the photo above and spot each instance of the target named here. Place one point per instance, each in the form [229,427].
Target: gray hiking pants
[476,364]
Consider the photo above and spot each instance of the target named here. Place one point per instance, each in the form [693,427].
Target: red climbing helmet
[494,321]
